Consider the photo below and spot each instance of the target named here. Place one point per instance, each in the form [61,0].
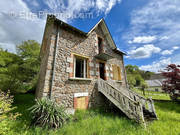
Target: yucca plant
[47,113]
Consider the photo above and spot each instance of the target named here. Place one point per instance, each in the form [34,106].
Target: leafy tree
[146,74]
[143,87]
[172,84]
[19,71]
[29,52]
[9,70]
[130,69]
[133,75]
[131,80]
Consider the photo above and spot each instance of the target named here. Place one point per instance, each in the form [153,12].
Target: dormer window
[100,45]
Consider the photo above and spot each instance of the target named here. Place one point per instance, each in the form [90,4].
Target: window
[116,72]
[100,45]
[80,67]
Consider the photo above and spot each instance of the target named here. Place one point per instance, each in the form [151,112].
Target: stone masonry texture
[70,43]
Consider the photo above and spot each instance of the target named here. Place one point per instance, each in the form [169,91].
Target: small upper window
[80,66]
[100,45]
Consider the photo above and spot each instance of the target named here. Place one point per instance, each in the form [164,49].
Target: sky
[147,30]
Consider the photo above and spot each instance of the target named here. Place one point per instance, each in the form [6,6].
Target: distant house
[155,82]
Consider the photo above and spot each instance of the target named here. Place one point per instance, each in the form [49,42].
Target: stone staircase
[132,105]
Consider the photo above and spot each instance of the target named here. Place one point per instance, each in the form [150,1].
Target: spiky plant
[47,113]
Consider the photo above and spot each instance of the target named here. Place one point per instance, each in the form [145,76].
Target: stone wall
[70,43]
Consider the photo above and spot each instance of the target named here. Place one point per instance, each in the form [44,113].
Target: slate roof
[154,83]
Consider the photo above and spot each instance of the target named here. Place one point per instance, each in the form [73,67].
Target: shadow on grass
[23,102]
[168,106]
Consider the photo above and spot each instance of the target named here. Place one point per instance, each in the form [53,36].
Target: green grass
[97,122]
[154,95]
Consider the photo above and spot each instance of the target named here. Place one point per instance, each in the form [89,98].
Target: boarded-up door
[81,103]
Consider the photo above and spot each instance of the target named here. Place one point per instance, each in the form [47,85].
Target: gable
[101,24]
[105,31]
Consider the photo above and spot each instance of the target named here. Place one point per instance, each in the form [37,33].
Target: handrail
[118,91]
[133,109]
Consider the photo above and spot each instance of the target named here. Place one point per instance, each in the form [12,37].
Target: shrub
[6,106]
[5,112]
[47,113]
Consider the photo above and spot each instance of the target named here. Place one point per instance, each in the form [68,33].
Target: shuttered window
[116,72]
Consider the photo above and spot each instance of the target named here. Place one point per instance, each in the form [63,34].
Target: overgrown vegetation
[153,94]
[96,122]
[47,113]
[18,72]
[5,111]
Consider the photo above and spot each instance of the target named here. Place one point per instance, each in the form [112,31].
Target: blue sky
[147,30]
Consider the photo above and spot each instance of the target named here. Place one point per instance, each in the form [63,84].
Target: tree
[172,84]
[136,77]
[9,70]
[143,87]
[29,52]
[132,69]
[131,80]
[19,71]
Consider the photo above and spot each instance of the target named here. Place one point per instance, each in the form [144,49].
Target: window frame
[85,66]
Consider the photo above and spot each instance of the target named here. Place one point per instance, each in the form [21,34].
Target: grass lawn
[96,122]
[154,95]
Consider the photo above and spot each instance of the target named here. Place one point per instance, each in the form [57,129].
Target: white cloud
[167,52]
[160,65]
[14,30]
[175,47]
[143,39]
[160,18]
[164,38]
[143,52]
[8,46]
[34,3]
[157,66]
[72,7]
[13,5]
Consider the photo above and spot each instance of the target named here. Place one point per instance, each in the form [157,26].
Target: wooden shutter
[115,72]
[119,73]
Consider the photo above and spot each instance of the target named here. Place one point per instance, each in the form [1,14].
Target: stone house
[154,85]
[155,82]
[81,70]
[72,61]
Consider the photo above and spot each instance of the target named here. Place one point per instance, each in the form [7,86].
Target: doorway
[101,70]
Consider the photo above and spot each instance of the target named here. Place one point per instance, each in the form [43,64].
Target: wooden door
[81,103]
